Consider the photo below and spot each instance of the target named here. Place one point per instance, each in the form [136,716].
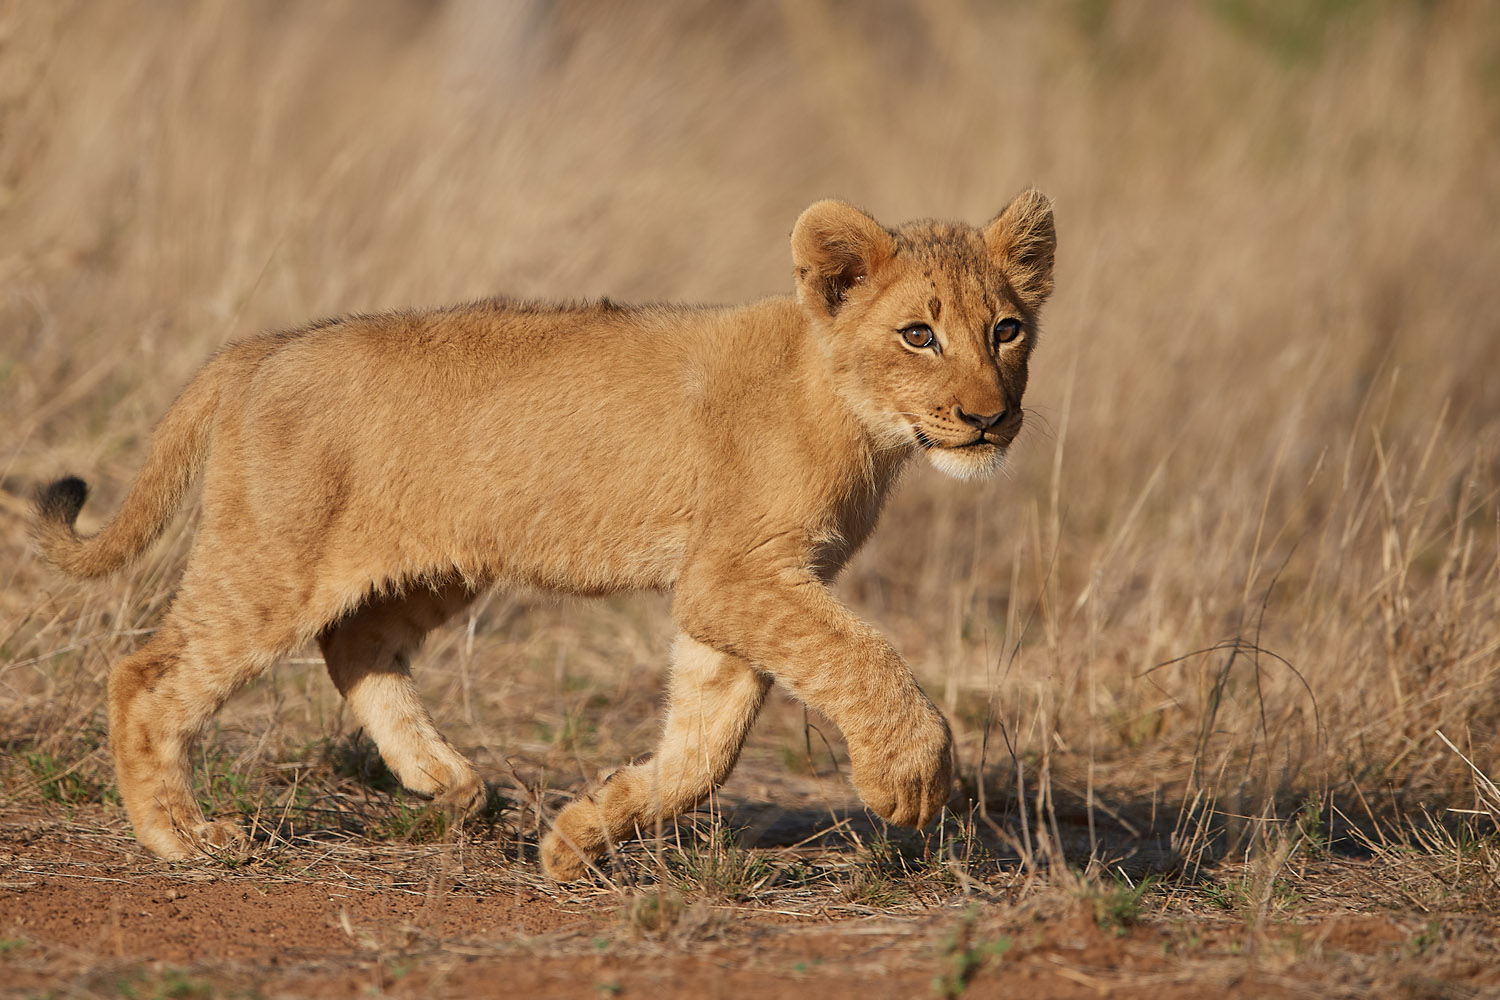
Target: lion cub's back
[551,446]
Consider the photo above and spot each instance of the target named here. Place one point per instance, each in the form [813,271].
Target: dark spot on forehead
[956,262]
[935,307]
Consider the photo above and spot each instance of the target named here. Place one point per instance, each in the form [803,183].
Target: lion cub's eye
[919,336]
[1007,330]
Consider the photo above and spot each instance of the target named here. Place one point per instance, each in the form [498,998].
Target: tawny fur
[364,478]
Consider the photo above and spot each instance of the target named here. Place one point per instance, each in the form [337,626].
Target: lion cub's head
[929,326]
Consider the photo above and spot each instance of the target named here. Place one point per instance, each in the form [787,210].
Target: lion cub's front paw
[462,799]
[907,781]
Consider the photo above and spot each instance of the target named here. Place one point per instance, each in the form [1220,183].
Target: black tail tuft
[61,501]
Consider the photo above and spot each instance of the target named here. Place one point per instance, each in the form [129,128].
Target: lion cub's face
[930,326]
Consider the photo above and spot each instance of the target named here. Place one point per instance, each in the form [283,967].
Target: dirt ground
[84,912]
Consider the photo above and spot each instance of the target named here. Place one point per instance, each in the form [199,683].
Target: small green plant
[961,957]
[66,775]
[223,789]
[1430,938]
[1312,826]
[169,985]
[1223,895]
[873,885]
[653,913]
[412,823]
[58,781]
[716,866]
[1117,908]
[892,868]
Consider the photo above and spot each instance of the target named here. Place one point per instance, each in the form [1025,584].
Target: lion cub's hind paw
[560,861]
[219,840]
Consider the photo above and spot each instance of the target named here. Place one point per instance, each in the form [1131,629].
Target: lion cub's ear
[836,246]
[1023,241]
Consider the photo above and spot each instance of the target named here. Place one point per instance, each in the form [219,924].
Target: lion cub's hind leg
[715,699]
[368,655]
[160,698]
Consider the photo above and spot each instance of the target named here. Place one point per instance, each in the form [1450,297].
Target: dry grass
[1246,567]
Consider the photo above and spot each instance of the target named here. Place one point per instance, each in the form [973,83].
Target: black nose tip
[983,421]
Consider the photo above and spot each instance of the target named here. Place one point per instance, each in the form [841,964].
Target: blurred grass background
[1248,553]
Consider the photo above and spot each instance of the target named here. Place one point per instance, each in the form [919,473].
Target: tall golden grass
[1248,551]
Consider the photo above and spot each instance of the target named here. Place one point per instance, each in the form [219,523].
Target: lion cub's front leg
[757,626]
[900,747]
[715,698]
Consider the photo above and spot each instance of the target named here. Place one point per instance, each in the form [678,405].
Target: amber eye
[918,336]
[1007,330]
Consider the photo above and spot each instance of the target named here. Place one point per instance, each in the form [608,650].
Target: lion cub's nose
[983,421]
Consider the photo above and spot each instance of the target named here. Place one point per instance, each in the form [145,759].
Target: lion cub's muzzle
[998,429]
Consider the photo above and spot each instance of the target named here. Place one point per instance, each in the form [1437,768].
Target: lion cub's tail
[178,450]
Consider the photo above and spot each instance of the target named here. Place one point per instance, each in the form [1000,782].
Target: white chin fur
[967,463]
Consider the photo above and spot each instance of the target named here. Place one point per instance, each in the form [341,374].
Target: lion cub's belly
[581,552]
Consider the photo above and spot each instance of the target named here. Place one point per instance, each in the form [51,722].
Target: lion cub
[364,478]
